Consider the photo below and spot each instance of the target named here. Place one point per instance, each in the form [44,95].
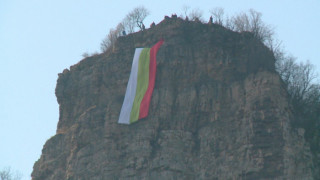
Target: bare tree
[302,87]
[261,30]
[218,15]
[299,79]
[109,40]
[228,23]
[119,29]
[185,10]
[251,22]
[193,15]
[134,19]
[276,48]
[8,174]
[286,67]
[136,16]
[241,22]
[304,96]
[196,14]
[129,24]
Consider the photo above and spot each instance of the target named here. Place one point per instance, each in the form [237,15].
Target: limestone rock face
[219,111]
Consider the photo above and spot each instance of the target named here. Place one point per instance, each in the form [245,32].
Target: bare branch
[8,174]
[136,17]
[185,10]
[196,14]
[109,40]
[218,15]
[251,22]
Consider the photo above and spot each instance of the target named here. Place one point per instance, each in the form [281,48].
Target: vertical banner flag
[140,85]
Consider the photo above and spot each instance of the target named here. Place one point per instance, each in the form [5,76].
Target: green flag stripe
[142,83]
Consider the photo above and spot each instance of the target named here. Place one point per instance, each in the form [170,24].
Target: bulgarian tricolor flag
[140,85]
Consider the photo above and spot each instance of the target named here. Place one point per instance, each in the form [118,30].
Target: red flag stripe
[144,106]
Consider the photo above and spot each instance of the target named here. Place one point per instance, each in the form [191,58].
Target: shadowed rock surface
[219,111]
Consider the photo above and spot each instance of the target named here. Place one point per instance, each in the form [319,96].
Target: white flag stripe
[131,90]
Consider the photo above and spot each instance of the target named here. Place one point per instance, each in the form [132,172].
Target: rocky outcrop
[219,111]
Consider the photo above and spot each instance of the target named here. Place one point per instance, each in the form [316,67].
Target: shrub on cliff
[133,20]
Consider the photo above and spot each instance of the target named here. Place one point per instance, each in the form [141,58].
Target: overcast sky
[40,38]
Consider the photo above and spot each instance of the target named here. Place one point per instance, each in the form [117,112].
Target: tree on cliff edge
[133,20]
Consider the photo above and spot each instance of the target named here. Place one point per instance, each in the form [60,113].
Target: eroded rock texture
[219,111]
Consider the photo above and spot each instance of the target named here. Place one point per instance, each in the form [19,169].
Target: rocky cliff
[219,111]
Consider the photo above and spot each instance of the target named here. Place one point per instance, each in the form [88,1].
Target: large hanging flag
[140,85]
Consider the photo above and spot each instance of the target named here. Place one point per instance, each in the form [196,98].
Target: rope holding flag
[140,86]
